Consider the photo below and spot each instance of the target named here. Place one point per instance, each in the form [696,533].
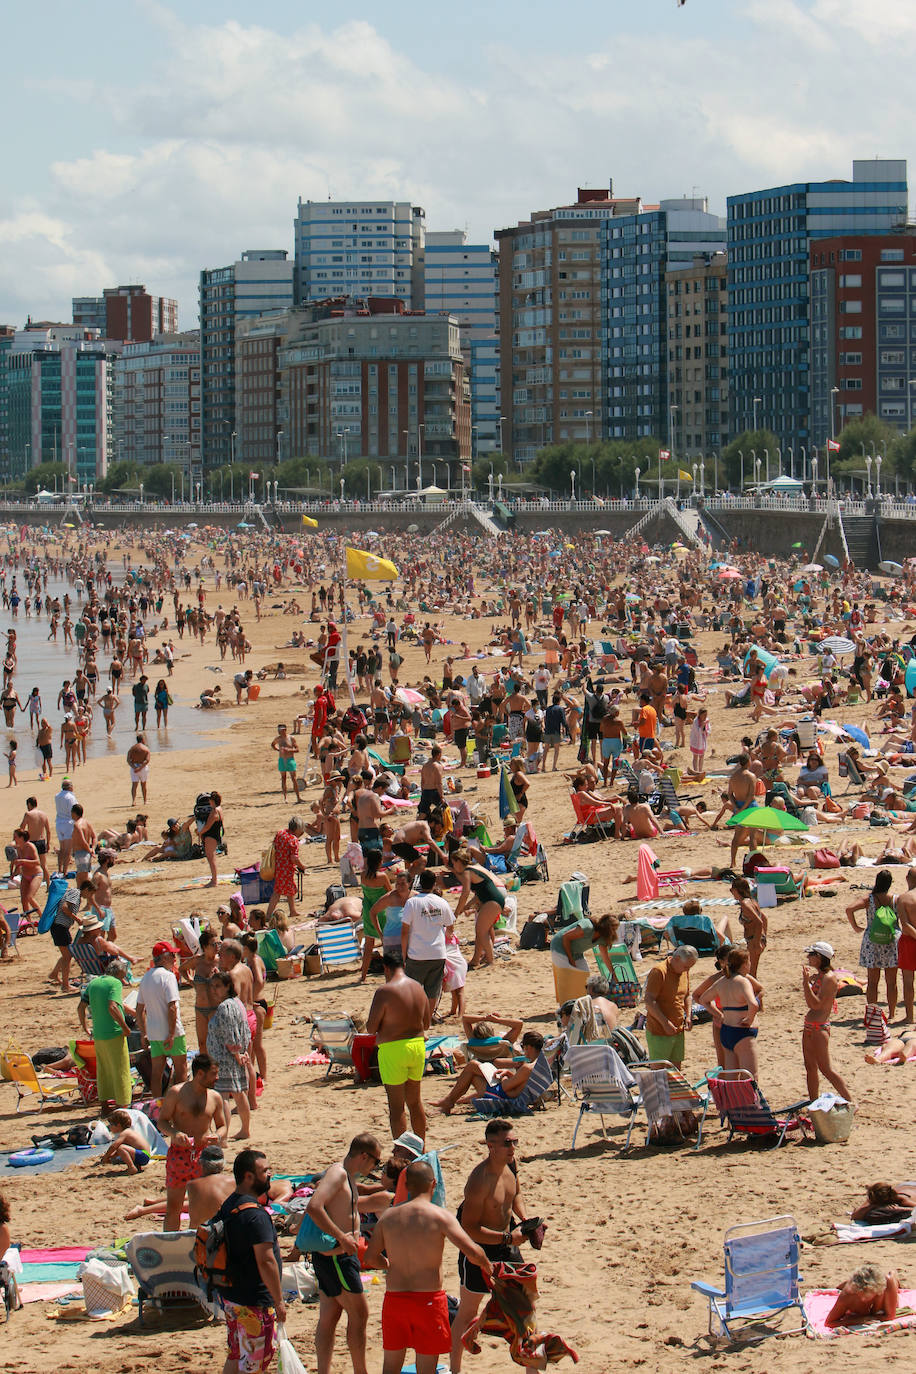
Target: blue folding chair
[337,945]
[696,930]
[761,1280]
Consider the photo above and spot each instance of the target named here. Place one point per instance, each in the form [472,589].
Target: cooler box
[253,887]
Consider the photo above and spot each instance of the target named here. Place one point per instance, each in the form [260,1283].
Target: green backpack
[883,926]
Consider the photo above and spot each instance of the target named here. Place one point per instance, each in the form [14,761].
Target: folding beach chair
[623,981]
[626,773]
[742,1105]
[572,903]
[602,1083]
[90,963]
[527,857]
[665,1094]
[337,945]
[335,1036]
[57,1092]
[540,1082]
[588,817]
[855,780]
[761,1280]
[697,931]
[162,1262]
[651,878]
[667,796]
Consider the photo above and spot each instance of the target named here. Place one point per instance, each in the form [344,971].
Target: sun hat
[410,1142]
[820,947]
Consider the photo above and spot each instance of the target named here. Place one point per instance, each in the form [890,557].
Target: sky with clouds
[147,140]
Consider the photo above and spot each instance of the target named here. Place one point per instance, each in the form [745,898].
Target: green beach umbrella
[798,545]
[766,818]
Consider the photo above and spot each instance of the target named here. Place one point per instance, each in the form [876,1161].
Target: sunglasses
[510,1140]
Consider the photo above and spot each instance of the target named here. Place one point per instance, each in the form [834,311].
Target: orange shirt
[648,722]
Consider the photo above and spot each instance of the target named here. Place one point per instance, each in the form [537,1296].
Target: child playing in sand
[868,1292]
[128,1146]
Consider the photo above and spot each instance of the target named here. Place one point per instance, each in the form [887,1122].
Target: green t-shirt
[101,991]
[579,944]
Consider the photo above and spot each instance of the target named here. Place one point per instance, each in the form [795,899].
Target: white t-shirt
[64,800]
[475,688]
[158,989]
[427,916]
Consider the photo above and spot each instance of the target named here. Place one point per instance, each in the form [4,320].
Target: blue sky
[152,139]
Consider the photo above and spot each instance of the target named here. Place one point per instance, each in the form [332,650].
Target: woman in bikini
[206,999]
[734,999]
[753,922]
[479,885]
[819,985]
[249,943]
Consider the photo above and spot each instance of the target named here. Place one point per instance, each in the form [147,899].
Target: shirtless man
[334,1209]
[192,1117]
[138,757]
[637,821]
[398,1016]
[905,906]
[432,782]
[84,839]
[37,823]
[415,1307]
[369,811]
[404,843]
[287,748]
[492,1197]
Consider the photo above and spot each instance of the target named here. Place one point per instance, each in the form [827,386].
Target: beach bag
[825,858]
[269,862]
[106,1287]
[833,1125]
[883,926]
[211,1252]
[288,1362]
[875,1022]
[310,1238]
[333,894]
[533,936]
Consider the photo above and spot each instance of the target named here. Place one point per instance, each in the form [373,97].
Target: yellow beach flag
[309,522]
[684,476]
[366,566]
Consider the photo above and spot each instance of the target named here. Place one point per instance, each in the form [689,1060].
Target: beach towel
[63,1159]
[646,876]
[848,1232]
[66,1254]
[510,1314]
[819,1301]
[46,1292]
[656,1094]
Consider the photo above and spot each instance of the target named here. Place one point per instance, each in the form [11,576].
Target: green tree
[44,477]
[858,438]
[119,475]
[158,479]
[900,457]
[752,443]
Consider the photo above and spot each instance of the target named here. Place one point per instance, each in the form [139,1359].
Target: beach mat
[47,1292]
[50,1273]
[65,1254]
[819,1301]
[63,1159]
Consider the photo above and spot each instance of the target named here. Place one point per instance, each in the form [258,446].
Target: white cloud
[209,151]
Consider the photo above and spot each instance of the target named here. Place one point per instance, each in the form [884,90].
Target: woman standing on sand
[819,985]
[228,1039]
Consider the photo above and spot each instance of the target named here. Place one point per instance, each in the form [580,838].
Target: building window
[856,280]
[892,255]
[850,307]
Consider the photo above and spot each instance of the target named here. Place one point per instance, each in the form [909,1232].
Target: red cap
[163,947]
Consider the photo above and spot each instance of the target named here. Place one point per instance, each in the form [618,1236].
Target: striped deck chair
[337,945]
[665,1095]
[761,1281]
[335,1036]
[527,857]
[602,1083]
[540,1082]
[162,1262]
[90,963]
[742,1105]
[623,980]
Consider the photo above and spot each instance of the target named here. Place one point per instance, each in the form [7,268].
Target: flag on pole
[664,454]
[684,476]
[507,803]
[309,522]
[367,566]
[253,476]
[833,445]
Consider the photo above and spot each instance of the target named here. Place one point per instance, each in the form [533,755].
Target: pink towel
[646,875]
[47,1292]
[67,1254]
[820,1300]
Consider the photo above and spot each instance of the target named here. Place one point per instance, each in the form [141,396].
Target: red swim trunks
[416,1321]
[182,1165]
[252,1019]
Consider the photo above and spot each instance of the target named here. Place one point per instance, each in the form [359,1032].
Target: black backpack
[533,936]
[202,807]
[627,1046]
[333,894]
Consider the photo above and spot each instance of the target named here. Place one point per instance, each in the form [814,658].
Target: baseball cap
[164,947]
[410,1142]
[820,947]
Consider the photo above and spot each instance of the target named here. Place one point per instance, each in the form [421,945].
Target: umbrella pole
[344,647]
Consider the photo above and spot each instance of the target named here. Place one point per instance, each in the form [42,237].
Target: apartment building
[697,366]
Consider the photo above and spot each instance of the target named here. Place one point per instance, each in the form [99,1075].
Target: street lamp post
[502,421]
[804,460]
[588,430]
[671,433]
[814,472]
[834,392]
[741,456]
[867,470]
[341,490]
[636,493]
[766,454]
[878,462]
[695,469]
[572,485]
[420,429]
[758,401]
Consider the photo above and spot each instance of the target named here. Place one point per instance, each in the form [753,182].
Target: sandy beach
[626,1232]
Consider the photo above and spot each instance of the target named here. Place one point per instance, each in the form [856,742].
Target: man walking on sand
[333,1207]
[192,1117]
[415,1308]
[398,1016]
[36,822]
[287,748]
[138,757]
[492,1199]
